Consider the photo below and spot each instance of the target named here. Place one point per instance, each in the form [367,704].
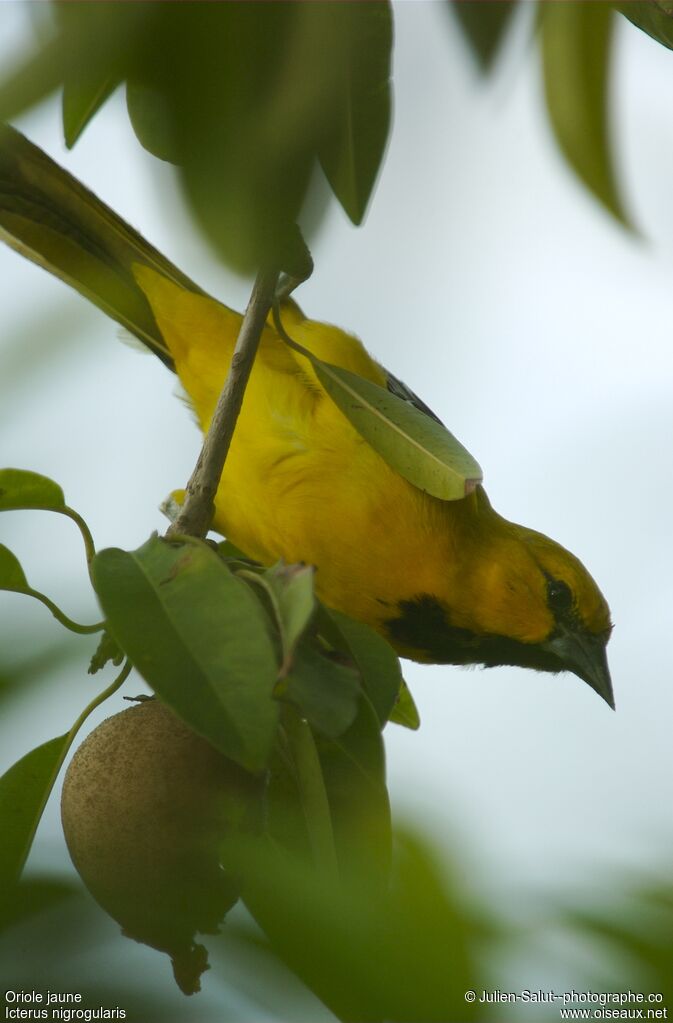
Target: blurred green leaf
[32,897]
[35,665]
[150,116]
[405,712]
[12,576]
[402,954]
[87,44]
[576,51]
[324,691]
[653,18]
[220,90]
[358,118]
[24,790]
[38,344]
[637,930]
[82,99]
[199,637]
[354,772]
[414,445]
[35,78]
[484,25]
[20,489]
[377,661]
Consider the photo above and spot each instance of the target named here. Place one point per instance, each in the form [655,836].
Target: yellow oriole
[448,582]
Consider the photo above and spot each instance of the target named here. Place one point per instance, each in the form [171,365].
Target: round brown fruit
[146,804]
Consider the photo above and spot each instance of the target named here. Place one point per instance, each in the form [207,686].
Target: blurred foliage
[415,930]
[576,48]
[220,90]
[27,665]
[485,25]
[52,937]
[653,17]
[636,930]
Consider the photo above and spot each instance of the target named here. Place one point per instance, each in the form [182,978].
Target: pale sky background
[488,279]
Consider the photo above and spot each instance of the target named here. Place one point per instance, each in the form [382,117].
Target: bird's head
[543,603]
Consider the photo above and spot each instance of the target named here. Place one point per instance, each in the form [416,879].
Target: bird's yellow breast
[299,482]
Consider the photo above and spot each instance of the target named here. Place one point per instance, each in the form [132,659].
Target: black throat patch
[422,628]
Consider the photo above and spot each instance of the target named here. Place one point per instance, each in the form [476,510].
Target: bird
[444,582]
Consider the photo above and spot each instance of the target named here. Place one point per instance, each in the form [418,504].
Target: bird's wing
[400,390]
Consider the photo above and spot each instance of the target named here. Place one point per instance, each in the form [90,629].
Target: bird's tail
[52,219]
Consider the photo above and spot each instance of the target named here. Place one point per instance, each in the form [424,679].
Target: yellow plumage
[300,483]
[444,581]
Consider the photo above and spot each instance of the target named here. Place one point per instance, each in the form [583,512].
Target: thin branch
[197,511]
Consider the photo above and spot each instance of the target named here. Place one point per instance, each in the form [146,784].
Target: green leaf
[150,117]
[12,576]
[377,661]
[325,692]
[83,96]
[405,712]
[38,75]
[24,790]
[199,637]
[484,25]
[576,49]
[86,40]
[403,954]
[290,588]
[413,444]
[20,489]
[354,771]
[653,18]
[357,121]
[106,651]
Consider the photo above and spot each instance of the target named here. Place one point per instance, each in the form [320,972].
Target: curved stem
[312,791]
[84,530]
[61,617]
[97,700]
[283,334]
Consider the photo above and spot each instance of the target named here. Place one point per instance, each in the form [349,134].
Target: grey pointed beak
[584,654]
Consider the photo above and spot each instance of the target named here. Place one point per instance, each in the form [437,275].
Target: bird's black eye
[559,595]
